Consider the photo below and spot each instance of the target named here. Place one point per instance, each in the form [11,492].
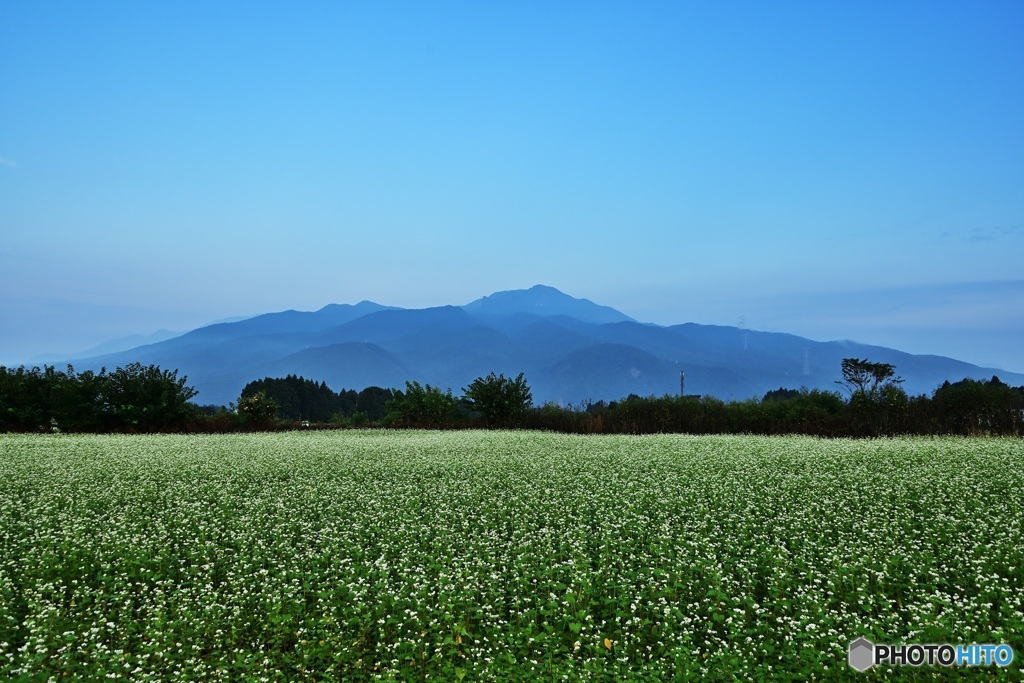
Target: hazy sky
[832,169]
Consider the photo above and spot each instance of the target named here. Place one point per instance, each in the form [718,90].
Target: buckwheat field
[502,556]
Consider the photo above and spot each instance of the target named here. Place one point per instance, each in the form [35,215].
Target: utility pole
[682,383]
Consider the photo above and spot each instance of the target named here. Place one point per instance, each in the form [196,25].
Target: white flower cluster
[376,555]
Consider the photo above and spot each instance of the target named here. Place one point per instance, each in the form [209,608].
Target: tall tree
[298,398]
[422,406]
[258,409]
[867,379]
[502,401]
[146,398]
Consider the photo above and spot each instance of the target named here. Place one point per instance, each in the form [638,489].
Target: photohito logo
[864,654]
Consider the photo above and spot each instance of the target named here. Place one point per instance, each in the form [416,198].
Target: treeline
[134,398]
[138,398]
[492,401]
[874,404]
[141,398]
[968,407]
[299,399]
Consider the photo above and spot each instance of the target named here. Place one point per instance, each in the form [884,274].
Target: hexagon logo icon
[862,654]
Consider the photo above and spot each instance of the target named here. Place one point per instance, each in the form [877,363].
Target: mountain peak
[571,349]
[544,301]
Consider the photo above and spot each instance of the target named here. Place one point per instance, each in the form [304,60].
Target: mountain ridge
[542,300]
[571,351]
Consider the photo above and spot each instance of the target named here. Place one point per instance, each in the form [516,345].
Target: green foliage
[131,398]
[298,398]
[140,399]
[258,409]
[502,556]
[359,419]
[976,407]
[865,380]
[145,398]
[781,394]
[355,420]
[25,403]
[877,403]
[422,406]
[501,401]
[373,402]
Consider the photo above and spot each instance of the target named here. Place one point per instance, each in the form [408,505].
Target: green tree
[422,406]
[76,400]
[138,397]
[878,405]
[373,401]
[976,407]
[299,398]
[257,409]
[781,394]
[25,404]
[861,376]
[501,401]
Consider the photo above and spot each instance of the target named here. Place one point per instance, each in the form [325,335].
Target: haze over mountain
[113,346]
[572,350]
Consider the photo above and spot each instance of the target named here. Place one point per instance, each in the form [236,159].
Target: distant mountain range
[572,350]
[114,345]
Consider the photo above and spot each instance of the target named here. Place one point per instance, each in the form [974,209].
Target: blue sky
[836,170]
